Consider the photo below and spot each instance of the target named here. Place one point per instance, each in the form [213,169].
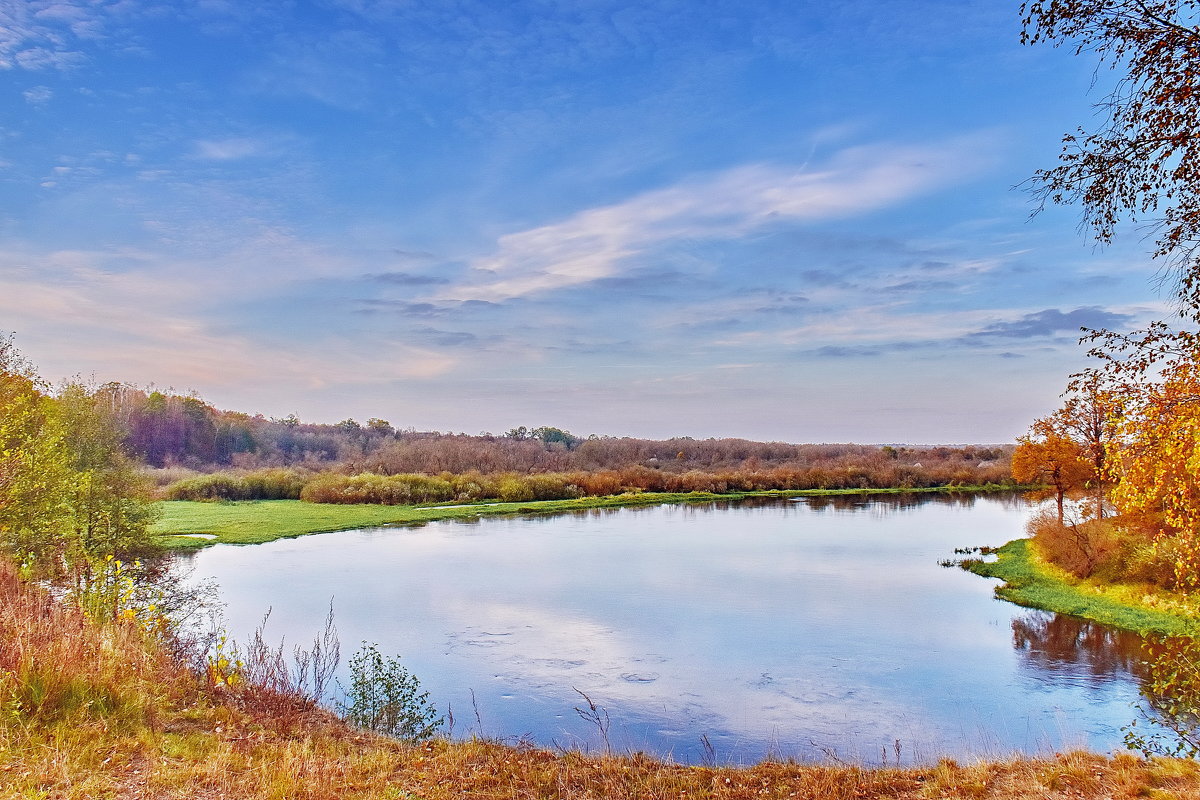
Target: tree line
[183,432]
[98,453]
[401,467]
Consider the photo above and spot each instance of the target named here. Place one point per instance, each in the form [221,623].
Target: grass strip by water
[185,524]
[1032,582]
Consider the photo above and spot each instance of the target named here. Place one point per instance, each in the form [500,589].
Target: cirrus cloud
[592,244]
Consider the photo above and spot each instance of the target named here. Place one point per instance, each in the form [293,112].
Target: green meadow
[184,524]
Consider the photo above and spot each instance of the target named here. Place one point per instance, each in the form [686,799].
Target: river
[723,632]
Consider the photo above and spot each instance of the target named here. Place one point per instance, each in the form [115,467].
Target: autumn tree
[1068,451]
[555,436]
[1091,416]
[1142,163]
[35,479]
[380,427]
[1155,457]
[1047,455]
[110,500]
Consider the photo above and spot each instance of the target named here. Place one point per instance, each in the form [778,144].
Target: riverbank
[186,524]
[1032,582]
[102,711]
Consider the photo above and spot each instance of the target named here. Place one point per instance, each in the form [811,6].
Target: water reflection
[792,627]
[1062,645]
[884,504]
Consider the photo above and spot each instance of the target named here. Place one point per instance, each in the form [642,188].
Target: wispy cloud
[230,149]
[38,95]
[1053,321]
[407,279]
[48,34]
[867,330]
[593,244]
[147,328]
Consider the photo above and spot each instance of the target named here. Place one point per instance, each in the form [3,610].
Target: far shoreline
[191,525]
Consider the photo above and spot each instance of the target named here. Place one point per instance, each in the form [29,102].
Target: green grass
[258,521]
[1031,582]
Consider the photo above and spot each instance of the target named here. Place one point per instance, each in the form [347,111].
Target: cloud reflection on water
[779,627]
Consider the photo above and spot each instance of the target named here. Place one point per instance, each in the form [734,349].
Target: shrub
[472,485]
[1080,547]
[386,698]
[1121,549]
[598,484]
[1145,555]
[326,487]
[405,489]
[267,484]
[218,486]
[274,484]
[512,489]
[551,486]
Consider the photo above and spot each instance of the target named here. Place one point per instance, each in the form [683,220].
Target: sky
[798,221]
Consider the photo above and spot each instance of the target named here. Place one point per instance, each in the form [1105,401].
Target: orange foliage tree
[1048,455]
[1068,451]
[1156,456]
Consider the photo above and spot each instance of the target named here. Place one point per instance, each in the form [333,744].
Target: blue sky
[777,220]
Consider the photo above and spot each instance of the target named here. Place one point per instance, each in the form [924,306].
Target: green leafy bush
[386,698]
[1172,688]
[266,484]
[395,490]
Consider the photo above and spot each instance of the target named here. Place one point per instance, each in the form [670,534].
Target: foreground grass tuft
[91,711]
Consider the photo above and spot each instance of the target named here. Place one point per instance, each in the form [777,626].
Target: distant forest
[181,436]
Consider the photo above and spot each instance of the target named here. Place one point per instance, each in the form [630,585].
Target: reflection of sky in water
[788,628]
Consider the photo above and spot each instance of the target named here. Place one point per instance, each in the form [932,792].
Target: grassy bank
[91,711]
[190,524]
[1030,581]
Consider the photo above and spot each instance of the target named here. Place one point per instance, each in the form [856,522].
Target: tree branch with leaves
[1142,164]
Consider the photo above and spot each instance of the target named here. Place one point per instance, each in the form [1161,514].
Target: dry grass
[90,712]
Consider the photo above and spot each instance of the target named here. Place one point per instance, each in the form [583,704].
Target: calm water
[787,628]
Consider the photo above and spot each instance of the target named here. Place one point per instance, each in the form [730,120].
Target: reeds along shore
[404,488]
[103,709]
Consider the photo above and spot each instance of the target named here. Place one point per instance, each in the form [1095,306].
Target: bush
[512,489]
[405,489]
[386,698]
[1081,548]
[551,486]
[472,485]
[518,487]
[218,486]
[267,484]
[274,484]
[1146,556]
[1121,549]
